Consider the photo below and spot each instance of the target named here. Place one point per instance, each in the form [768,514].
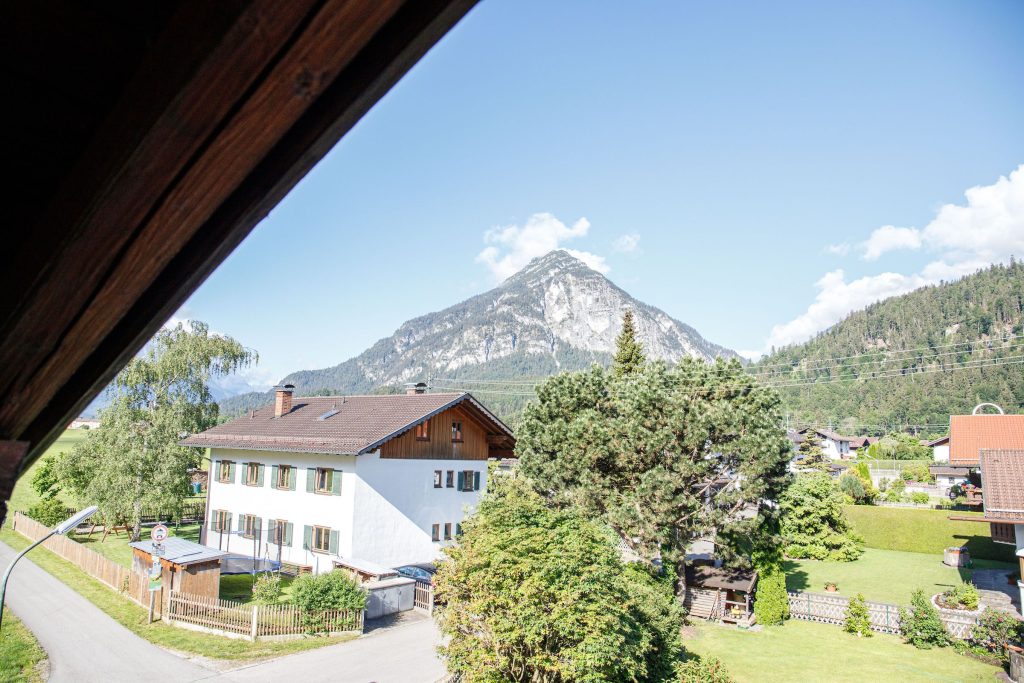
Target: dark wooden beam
[212,133]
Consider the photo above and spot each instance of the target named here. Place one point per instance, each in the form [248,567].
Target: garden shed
[187,566]
[720,594]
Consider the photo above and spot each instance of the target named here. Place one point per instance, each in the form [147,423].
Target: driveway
[86,646]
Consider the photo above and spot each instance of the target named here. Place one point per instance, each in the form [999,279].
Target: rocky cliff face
[555,314]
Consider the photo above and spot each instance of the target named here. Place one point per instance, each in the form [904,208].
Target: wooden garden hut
[721,594]
[187,566]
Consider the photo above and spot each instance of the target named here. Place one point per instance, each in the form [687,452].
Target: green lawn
[20,654]
[924,531]
[881,575]
[238,587]
[133,617]
[116,548]
[804,651]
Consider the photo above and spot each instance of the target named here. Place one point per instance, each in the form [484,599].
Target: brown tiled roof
[969,434]
[1002,483]
[946,470]
[939,441]
[719,577]
[360,425]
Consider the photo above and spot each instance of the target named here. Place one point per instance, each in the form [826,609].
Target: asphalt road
[84,645]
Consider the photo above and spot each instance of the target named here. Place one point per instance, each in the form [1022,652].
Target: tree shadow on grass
[796,578]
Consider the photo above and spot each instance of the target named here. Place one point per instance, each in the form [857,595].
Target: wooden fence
[189,512]
[831,609]
[118,577]
[424,597]
[257,621]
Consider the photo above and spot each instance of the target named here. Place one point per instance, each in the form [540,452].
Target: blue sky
[722,161]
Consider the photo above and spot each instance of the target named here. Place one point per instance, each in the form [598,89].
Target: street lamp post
[61,529]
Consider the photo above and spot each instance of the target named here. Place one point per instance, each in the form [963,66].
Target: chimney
[283,399]
[412,388]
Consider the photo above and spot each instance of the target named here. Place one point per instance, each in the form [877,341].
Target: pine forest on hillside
[911,360]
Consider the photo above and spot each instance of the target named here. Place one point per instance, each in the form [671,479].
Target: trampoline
[247,564]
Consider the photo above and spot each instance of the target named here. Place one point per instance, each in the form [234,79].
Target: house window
[284,475]
[324,480]
[249,527]
[449,480]
[458,530]
[437,479]
[447,531]
[221,520]
[468,477]
[252,474]
[321,539]
[456,432]
[224,472]
[435,532]
[279,533]
[423,431]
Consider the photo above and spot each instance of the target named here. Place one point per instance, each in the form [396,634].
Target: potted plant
[831,587]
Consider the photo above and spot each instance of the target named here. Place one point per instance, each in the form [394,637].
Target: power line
[906,372]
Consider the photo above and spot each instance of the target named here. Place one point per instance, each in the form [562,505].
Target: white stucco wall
[941,453]
[384,513]
[396,504]
[835,450]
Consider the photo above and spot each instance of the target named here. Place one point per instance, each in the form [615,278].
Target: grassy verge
[23,496]
[238,587]
[805,651]
[133,617]
[924,531]
[881,575]
[20,653]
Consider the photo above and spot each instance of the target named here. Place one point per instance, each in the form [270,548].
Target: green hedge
[924,531]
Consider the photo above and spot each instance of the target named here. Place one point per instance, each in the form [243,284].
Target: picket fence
[255,622]
[831,609]
[118,577]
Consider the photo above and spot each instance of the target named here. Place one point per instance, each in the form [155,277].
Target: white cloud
[838,249]
[627,244]
[889,238]
[988,229]
[836,299]
[751,355]
[512,247]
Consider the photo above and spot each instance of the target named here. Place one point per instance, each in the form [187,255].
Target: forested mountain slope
[912,359]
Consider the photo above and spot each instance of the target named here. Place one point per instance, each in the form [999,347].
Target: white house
[359,480]
[834,446]
[1002,479]
[940,449]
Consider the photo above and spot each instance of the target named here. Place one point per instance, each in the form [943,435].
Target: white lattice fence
[831,609]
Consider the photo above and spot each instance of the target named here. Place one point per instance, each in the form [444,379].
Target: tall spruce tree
[664,456]
[133,460]
[629,352]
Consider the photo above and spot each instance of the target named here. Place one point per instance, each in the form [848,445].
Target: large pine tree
[629,352]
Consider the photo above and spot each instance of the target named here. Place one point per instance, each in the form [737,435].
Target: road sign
[155,574]
[159,533]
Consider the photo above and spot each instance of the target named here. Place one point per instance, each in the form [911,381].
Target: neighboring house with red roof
[969,434]
[358,480]
[1002,479]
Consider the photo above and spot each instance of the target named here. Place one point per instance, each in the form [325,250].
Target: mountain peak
[552,263]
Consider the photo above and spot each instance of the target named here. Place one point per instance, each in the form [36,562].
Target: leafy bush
[919,497]
[315,593]
[851,485]
[267,589]
[918,472]
[894,494]
[962,596]
[703,670]
[813,524]
[858,619]
[49,512]
[995,630]
[921,625]
[771,601]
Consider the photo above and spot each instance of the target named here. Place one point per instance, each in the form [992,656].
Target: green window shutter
[241,522]
[271,525]
[336,483]
[231,473]
[213,520]
[310,475]
[461,480]
[288,533]
[257,528]
[273,476]
[291,478]
[259,475]
[458,530]
[307,537]
[335,542]
[227,523]
[476,481]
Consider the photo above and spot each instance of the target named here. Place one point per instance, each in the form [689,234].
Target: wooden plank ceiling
[147,139]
